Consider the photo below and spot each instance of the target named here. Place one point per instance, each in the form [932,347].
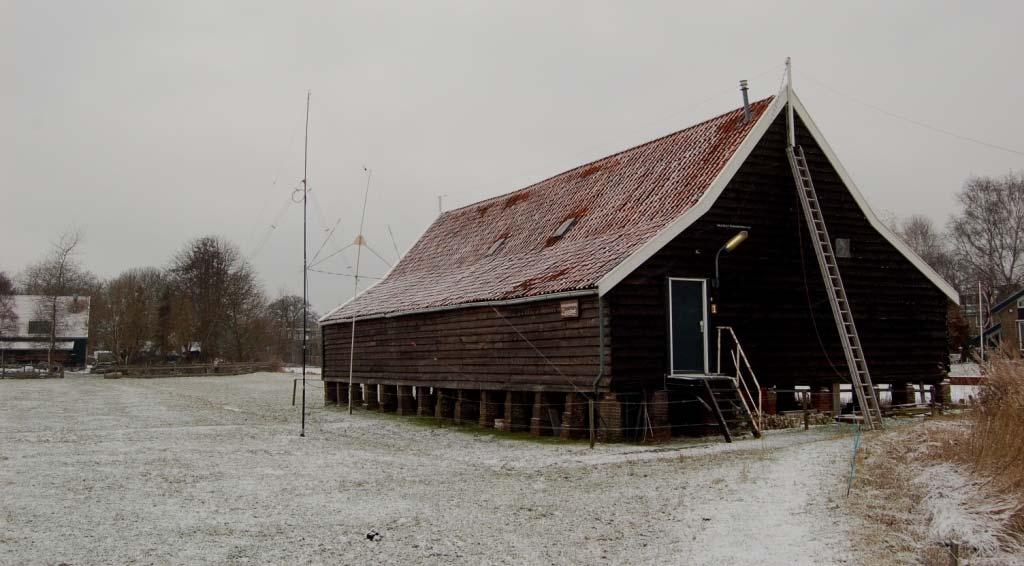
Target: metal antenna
[791,126]
[305,269]
[360,242]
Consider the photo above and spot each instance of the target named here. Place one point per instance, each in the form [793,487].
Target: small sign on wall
[843,247]
[570,309]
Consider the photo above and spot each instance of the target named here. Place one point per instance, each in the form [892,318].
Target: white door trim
[704,329]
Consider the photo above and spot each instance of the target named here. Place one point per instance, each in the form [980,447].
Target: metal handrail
[738,356]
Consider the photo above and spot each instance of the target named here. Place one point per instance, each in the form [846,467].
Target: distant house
[1007,325]
[30,340]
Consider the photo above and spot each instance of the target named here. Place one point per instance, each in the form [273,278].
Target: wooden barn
[691,280]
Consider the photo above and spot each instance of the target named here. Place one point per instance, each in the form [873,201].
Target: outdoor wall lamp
[729,246]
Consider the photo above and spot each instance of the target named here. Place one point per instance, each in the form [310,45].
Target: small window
[496,246]
[1020,305]
[564,227]
[38,327]
[843,247]
[1020,336]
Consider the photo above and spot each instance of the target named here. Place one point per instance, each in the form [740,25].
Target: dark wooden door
[687,299]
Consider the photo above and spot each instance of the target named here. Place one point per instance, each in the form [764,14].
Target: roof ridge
[609,156]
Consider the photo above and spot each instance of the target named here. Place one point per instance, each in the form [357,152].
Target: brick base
[426,401]
[657,411]
[467,406]
[540,419]
[574,417]
[388,398]
[609,426]
[902,393]
[821,399]
[941,393]
[769,404]
[517,412]
[491,406]
[406,403]
[444,408]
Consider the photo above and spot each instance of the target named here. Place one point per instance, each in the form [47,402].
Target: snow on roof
[73,317]
[22,345]
[619,203]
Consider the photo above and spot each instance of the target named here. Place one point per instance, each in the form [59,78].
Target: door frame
[704,309]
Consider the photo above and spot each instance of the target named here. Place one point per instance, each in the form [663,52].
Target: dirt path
[211,469]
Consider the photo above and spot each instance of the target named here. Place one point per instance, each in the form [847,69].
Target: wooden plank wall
[768,291]
[474,348]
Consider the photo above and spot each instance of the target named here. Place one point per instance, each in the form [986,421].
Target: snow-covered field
[211,469]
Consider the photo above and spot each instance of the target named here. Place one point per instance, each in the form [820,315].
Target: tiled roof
[620,202]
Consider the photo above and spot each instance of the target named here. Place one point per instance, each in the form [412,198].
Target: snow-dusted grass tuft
[962,510]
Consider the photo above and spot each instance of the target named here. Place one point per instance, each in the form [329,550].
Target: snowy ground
[211,469]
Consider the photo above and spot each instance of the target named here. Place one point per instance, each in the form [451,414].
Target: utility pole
[981,325]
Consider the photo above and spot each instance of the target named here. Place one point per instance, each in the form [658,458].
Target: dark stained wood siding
[769,290]
[527,346]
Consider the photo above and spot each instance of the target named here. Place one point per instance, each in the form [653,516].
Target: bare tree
[57,275]
[285,317]
[126,314]
[6,284]
[988,233]
[222,298]
[933,246]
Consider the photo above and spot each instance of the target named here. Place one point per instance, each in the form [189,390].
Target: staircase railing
[744,380]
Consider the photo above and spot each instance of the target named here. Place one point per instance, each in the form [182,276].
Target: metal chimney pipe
[746,101]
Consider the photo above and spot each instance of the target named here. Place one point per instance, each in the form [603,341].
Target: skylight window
[564,228]
[496,246]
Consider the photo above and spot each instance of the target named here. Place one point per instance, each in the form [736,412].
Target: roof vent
[564,227]
[746,101]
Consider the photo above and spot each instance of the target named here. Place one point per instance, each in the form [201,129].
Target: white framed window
[1020,336]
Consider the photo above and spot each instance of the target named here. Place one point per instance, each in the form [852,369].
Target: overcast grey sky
[147,124]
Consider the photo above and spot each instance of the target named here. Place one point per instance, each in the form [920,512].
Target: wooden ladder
[863,390]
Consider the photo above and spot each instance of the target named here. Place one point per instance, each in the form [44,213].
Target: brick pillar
[517,411]
[821,399]
[657,410]
[426,401]
[540,423]
[490,408]
[467,406]
[769,406]
[371,400]
[406,403]
[388,398]
[445,406]
[902,393]
[609,425]
[357,395]
[941,393]
[574,418]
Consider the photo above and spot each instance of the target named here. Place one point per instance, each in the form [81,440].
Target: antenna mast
[360,242]
[305,268]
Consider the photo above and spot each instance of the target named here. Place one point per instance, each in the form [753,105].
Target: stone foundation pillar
[609,425]
[517,412]
[467,406]
[371,400]
[821,399]
[574,418]
[657,411]
[540,421]
[357,395]
[490,408]
[388,398]
[406,403]
[769,404]
[445,406]
[902,393]
[942,393]
[426,401]
[837,399]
